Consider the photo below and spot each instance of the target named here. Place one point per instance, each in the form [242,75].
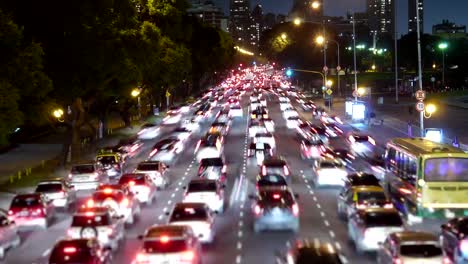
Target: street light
[284,36]
[320,40]
[430,109]
[361,91]
[329,83]
[58,113]
[136,93]
[443,46]
[373,67]
[297,21]
[315,4]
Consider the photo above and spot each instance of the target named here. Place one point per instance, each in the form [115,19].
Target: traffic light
[289,72]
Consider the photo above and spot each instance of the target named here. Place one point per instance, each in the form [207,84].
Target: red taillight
[397,261]
[257,210]
[224,169]
[264,171]
[10,212]
[286,170]
[131,183]
[125,202]
[69,250]
[187,256]
[295,209]
[90,203]
[388,205]
[153,152]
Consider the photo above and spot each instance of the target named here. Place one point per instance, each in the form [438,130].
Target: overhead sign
[168,93]
[329,91]
[420,95]
[420,106]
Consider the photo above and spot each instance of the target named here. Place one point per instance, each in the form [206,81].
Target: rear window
[202,186]
[147,167]
[106,159]
[49,187]
[171,246]
[383,219]
[82,169]
[212,162]
[371,196]
[420,250]
[189,214]
[369,180]
[307,256]
[271,180]
[138,179]
[101,196]
[276,197]
[93,220]
[329,165]
[71,253]
[25,202]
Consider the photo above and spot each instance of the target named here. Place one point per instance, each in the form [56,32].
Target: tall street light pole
[355,63]
[442,46]
[418,33]
[395,29]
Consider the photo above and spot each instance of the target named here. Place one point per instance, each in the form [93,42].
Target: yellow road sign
[168,93]
[329,91]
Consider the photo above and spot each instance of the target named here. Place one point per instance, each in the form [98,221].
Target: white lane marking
[241,214]
[160,217]
[176,189]
[239,234]
[326,223]
[190,166]
[337,245]
[232,198]
[322,213]
[183,178]
[46,252]
[241,223]
[319,206]
[301,171]
[239,245]
[186,173]
[242,206]
[164,209]
[238,259]
[169,202]
[332,234]
[172,195]
[311,192]
[180,183]
[314,198]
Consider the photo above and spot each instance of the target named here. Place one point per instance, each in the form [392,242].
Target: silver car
[86,176]
[58,191]
[9,237]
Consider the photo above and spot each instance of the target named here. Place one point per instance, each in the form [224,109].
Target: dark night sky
[434,10]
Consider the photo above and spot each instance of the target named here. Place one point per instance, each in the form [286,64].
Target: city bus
[426,179]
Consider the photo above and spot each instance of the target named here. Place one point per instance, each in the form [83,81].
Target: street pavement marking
[238,259]
[239,245]
[172,195]
[314,198]
[177,189]
[160,217]
[241,214]
[322,213]
[46,252]
[326,223]
[337,245]
[164,209]
[239,234]
[332,234]
[241,223]
[318,205]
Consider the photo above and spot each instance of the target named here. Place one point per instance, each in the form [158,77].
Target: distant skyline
[434,10]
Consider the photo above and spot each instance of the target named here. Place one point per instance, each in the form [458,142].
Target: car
[9,237]
[31,210]
[196,215]
[322,132]
[255,127]
[276,165]
[312,148]
[58,191]
[141,185]
[284,99]
[202,112]
[235,111]
[411,247]
[220,127]
[184,108]
[129,147]
[86,176]
[97,223]
[270,180]
[285,105]
[173,110]
[361,144]
[369,227]
[289,112]
[303,131]
[275,209]
[210,192]
[267,138]
[166,150]
[182,133]
[169,244]
[79,251]
[359,197]
[307,252]
[453,239]
[293,121]
[233,102]
[255,104]
[308,106]
[157,172]
[377,166]
[149,131]
[260,151]
[121,204]
[213,169]
[343,155]
[210,146]
[190,124]
[223,117]
[269,124]
[259,113]
[111,163]
[172,118]
[328,172]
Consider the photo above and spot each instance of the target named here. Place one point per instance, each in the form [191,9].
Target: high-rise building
[257,19]
[240,22]
[380,16]
[412,24]
[449,30]
[208,13]
[303,9]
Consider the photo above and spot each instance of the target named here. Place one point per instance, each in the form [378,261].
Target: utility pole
[421,114]
[396,48]
[355,64]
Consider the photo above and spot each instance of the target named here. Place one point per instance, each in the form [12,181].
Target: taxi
[111,162]
[361,197]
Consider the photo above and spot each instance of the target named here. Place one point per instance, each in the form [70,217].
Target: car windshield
[212,162]
[91,220]
[78,253]
[137,179]
[370,196]
[202,186]
[186,213]
[171,246]
[147,167]
[446,170]
[271,180]
[420,250]
[379,219]
[106,159]
[25,201]
[49,187]
[305,256]
[82,169]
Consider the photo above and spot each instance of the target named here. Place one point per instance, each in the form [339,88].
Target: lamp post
[58,114]
[321,40]
[418,33]
[355,63]
[443,46]
[136,93]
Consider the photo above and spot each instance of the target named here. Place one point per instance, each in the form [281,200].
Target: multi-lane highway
[235,240]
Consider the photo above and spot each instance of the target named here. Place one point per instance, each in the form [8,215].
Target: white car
[361,144]
[284,99]
[209,147]
[263,101]
[235,111]
[149,131]
[191,125]
[156,170]
[172,119]
[329,172]
[181,133]
[289,112]
[166,150]
[140,185]
[292,122]
[267,138]
[285,105]
[210,192]
[255,105]
[58,191]
[97,222]
[9,237]
[224,118]
[256,127]
[269,124]
[120,204]
[86,176]
[196,215]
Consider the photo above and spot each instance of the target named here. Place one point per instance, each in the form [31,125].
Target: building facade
[380,16]
[258,25]
[303,9]
[209,13]
[448,30]
[412,16]
[241,25]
